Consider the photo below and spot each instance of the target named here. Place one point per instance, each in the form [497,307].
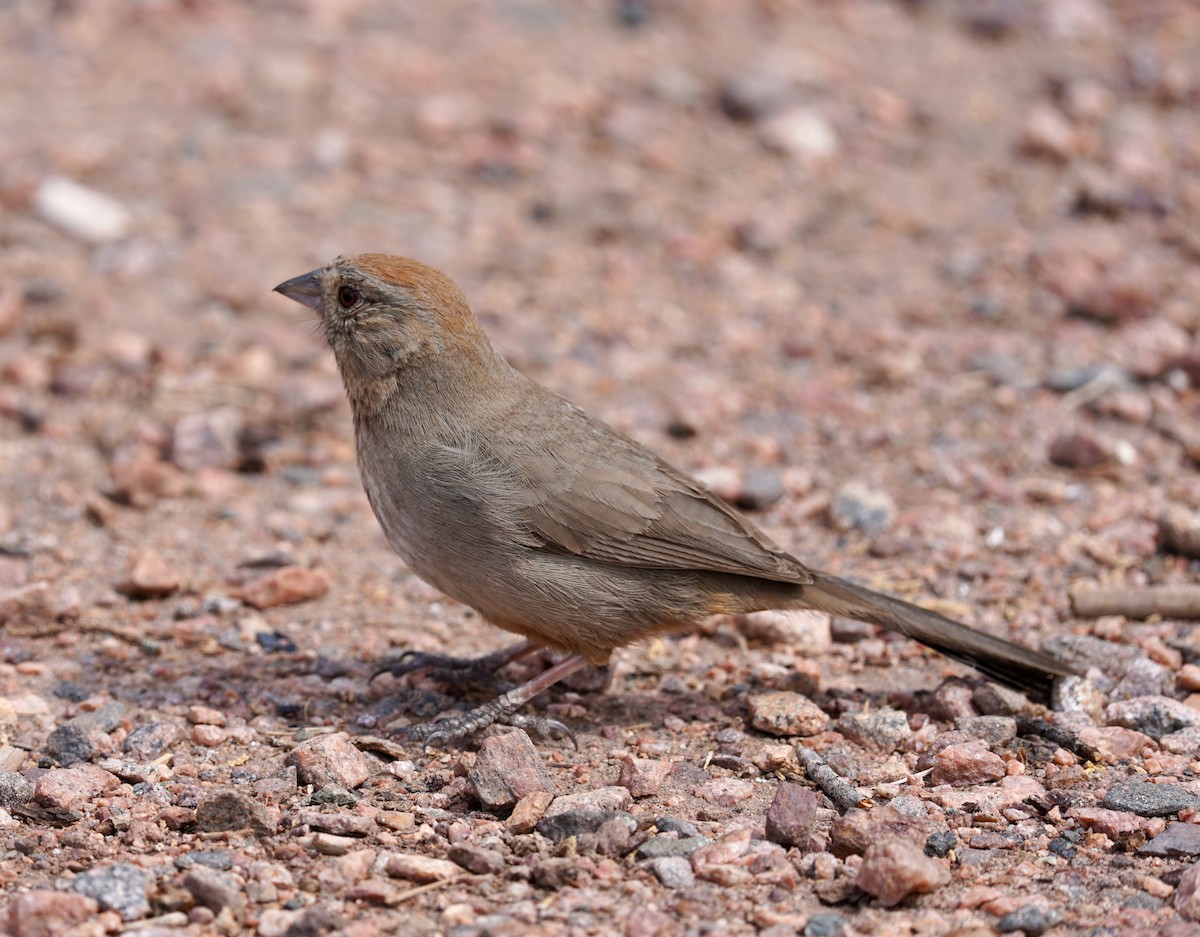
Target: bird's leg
[502,709]
[480,671]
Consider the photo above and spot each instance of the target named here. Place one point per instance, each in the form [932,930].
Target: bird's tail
[1032,672]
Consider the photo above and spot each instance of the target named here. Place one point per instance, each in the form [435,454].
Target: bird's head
[384,316]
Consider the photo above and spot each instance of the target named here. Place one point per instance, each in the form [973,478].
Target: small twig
[50,629]
[421,889]
[1057,735]
[844,795]
[1180,601]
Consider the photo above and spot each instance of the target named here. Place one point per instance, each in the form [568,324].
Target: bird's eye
[347,296]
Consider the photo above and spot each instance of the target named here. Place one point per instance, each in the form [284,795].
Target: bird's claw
[468,669]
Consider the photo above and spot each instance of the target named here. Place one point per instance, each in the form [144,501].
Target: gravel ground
[914,282]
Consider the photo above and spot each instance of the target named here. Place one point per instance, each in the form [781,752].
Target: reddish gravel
[916,283]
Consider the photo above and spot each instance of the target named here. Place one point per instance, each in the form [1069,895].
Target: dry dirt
[916,282]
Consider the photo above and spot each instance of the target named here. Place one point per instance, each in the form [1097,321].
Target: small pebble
[940,844]
[528,811]
[70,788]
[603,798]
[477,860]
[1030,919]
[214,889]
[80,211]
[643,777]
[421,869]
[859,508]
[826,924]
[1079,449]
[673,871]
[288,586]
[724,792]
[1155,716]
[150,576]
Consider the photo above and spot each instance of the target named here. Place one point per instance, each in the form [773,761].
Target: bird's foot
[504,709]
[479,671]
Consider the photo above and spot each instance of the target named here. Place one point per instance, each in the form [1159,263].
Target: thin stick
[844,796]
[421,889]
[1180,601]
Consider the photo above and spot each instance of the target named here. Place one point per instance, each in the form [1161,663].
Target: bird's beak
[304,289]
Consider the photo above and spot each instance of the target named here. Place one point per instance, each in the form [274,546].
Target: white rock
[81,212]
[803,133]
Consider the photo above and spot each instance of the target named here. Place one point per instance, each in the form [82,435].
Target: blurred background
[916,279]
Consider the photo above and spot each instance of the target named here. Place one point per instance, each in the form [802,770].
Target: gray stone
[121,888]
[1178,839]
[560,826]
[14,789]
[1150,800]
[673,871]
[1031,919]
[660,846]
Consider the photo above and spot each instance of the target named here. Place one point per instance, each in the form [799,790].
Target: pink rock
[205,715]
[1187,894]
[150,577]
[69,788]
[785,713]
[651,922]
[855,831]
[26,605]
[643,776]
[1048,133]
[528,811]
[602,798]
[208,736]
[330,759]
[47,913]
[507,768]
[719,862]
[896,868]
[1115,824]
[792,814]
[965,764]
[418,868]
[725,792]
[1115,743]
[287,586]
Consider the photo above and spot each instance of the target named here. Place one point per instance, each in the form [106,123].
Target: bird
[547,521]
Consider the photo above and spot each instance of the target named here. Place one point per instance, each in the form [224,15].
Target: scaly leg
[502,709]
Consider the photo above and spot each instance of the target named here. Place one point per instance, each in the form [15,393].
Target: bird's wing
[606,497]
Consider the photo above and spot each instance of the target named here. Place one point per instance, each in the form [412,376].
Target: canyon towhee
[548,522]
